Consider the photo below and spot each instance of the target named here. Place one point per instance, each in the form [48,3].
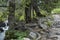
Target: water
[2,34]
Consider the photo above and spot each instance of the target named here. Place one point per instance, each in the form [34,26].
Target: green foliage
[58,4]
[24,2]
[43,12]
[56,11]
[3,2]
[3,16]
[48,5]
[45,5]
[48,23]
[19,35]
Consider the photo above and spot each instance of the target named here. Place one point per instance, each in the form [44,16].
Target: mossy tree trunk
[11,16]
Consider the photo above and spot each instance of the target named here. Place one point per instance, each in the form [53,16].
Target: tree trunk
[28,13]
[11,16]
[35,7]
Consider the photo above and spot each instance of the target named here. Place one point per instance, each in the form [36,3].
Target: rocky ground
[52,31]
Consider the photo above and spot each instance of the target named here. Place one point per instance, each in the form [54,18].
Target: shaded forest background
[14,11]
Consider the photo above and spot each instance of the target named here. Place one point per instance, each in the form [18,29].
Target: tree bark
[11,16]
[28,13]
[35,7]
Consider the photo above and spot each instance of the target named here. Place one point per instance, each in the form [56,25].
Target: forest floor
[36,33]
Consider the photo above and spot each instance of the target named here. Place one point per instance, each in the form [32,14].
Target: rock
[56,17]
[26,39]
[53,31]
[33,35]
[57,33]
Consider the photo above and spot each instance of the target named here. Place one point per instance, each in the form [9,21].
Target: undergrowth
[16,35]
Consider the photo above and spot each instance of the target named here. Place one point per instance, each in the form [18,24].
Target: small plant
[19,35]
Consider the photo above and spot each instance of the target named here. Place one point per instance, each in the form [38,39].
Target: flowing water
[2,34]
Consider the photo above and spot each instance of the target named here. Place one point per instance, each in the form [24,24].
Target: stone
[33,35]
[26,39]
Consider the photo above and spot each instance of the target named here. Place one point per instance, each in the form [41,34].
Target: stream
[2,34]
